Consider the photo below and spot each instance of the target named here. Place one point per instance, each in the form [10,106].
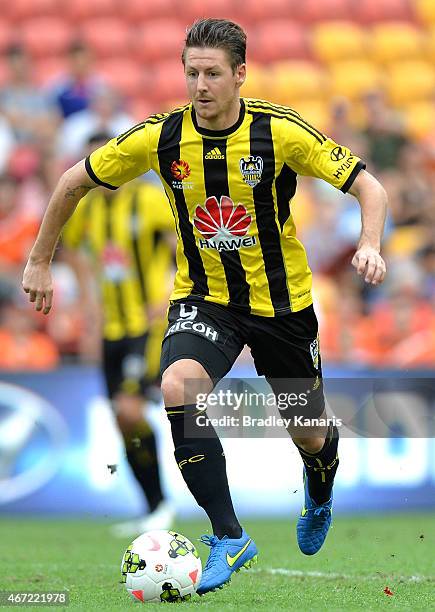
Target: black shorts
[124,365]
[283,348]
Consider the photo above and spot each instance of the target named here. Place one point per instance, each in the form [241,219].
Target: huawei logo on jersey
[180,169]
[223,225]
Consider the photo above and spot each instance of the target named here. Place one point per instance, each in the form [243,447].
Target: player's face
[212,85]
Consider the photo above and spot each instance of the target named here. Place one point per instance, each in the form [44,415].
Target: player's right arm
[37,282]
[120,160]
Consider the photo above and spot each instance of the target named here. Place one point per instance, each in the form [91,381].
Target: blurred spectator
[26,108]
[66,322]
[23,346]
[19,223]
[104,114]
[345,331]
[404,325]
[426,258]
[384,132]
[336,217]
[7,142]
[415,197]
[73,93]
[342,128]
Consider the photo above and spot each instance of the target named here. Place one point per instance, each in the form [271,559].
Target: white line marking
[281,571]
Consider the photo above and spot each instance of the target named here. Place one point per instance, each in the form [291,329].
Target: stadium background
[362,72]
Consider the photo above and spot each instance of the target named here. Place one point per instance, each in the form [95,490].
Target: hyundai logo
[33,437]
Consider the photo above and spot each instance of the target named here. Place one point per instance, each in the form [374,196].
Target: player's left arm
[309,152]
[372,198]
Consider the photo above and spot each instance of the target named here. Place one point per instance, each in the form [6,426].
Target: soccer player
[229,168]
[124,236]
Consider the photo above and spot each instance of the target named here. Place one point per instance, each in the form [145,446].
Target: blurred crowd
[44,129]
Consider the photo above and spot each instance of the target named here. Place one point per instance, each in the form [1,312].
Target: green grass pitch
[361,557]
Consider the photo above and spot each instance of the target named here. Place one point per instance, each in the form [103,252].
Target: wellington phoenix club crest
[223,225]
[251,168]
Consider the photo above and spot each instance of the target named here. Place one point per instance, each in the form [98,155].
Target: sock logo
[194,459]
[314,350]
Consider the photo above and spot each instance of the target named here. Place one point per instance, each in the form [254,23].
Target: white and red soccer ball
[161,566]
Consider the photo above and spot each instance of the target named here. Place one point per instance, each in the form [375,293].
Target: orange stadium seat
[107,36]
[425,11]
[370,11]
[419,119]
[295,80]
[393,41]
[410,81]
[336,40]
[196,9]
[6,35]
[354,78]
[141,107]
[47,70]
[316,112]
[140,10]
[278,39]
[45,36]
[79,10]
[257,81]
[19,10]
[160,39]
[430,44]
[125,76]
[315,10]
[168,105]
[259,10]
[168,81]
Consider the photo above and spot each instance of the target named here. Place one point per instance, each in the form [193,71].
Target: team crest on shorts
[251,168]
[314,350]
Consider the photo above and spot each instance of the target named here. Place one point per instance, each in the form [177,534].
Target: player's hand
[368,262]
[38,284]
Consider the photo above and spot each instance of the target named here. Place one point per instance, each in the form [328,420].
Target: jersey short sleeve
[309,152]
[122,159]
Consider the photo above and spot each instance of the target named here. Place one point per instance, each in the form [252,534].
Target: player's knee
[310,445]
[129,412]
[182,381]
[173,389]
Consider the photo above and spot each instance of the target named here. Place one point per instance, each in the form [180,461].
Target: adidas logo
[215,154]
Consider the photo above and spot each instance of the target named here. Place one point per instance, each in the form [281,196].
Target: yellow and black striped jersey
[230,193]
[124,235]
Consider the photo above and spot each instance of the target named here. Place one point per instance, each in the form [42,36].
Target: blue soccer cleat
[226,557]
[313,524]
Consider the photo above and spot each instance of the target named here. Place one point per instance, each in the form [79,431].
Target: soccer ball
[161,566]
